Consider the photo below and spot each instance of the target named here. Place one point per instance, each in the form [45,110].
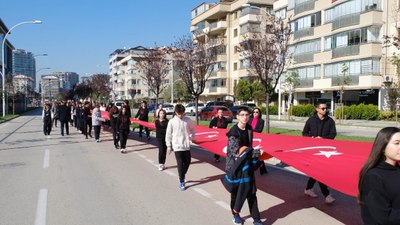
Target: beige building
[126,81]
[328,36]
[332,37]
[225,25]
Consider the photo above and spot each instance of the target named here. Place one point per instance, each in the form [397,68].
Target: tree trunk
[267,114]
[197,110]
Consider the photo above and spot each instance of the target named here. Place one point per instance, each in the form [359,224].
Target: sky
[79,35]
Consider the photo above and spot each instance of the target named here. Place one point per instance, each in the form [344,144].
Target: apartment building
[224,25]
[126,81]
[333,37]
[49,87]
[23,63]
[329,37]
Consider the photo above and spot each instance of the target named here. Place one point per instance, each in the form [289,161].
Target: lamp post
[3,60]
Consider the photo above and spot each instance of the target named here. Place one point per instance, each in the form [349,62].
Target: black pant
[47,127]
[162,150]
[183,159]
[55,121]
[324,188]
[251,200]
[87,123]
[96,132]
[66,127]
[141,129]
[115,135]
[123,137]
[75,119]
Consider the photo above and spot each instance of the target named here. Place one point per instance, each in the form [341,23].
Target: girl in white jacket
[177,139]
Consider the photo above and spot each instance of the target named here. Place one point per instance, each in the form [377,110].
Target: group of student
[379,184]
[83,117]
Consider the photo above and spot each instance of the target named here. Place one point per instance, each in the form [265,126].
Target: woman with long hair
[161,129]
[379,180]
[123,125]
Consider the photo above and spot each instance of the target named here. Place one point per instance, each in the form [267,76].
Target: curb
[3,121]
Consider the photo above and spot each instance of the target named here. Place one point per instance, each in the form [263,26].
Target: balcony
[303,33]
[306,83]
[217,27]
[304,57]
[346,51]
[304,6]
[249,18]
[338,81]
[347,20]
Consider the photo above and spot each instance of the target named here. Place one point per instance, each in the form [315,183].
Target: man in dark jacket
[64,116]
[218,122]
[241,135]
[143,115]
[319,126]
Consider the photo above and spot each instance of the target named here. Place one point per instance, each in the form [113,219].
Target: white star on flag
[328,154]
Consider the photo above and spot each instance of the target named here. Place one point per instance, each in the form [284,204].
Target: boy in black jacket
[241,135]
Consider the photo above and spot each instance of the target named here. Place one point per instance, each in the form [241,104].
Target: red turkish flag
[335,163]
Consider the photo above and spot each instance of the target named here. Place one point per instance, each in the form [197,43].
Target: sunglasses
[323,108]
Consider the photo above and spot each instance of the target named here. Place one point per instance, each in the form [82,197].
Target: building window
[235,32]
[235,15]
[351,7]
[280,14]
[356,67]
[235,66]
[352,37]
[307,22]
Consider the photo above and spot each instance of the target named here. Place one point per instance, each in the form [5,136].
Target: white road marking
[223,205]
[46,160]
[201,191]
[41,208]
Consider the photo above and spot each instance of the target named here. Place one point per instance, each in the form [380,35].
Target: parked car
[190,108]
[227,104]
[235,108]
[208,113]
[252,105]
[151,108]
[169,108]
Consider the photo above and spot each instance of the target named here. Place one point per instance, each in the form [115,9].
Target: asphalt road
[72,180]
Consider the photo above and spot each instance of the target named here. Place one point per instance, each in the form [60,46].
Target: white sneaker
[161,167]
[329,199]
[123,150]
[310,193]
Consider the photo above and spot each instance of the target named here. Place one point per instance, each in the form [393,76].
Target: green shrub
[359,112]
[273,110]
[303,110]
[387,115]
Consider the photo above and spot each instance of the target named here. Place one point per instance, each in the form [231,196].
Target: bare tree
[154,67]
[268,55]
[98,84]
[195,61]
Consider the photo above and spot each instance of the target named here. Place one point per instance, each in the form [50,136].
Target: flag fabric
[335,163]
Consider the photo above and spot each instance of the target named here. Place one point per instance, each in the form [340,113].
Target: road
[72,180]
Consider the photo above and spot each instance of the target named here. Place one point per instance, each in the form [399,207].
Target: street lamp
[3,61]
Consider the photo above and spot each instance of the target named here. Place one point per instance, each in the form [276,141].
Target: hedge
[303,110]
[359,112]
[273,109]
